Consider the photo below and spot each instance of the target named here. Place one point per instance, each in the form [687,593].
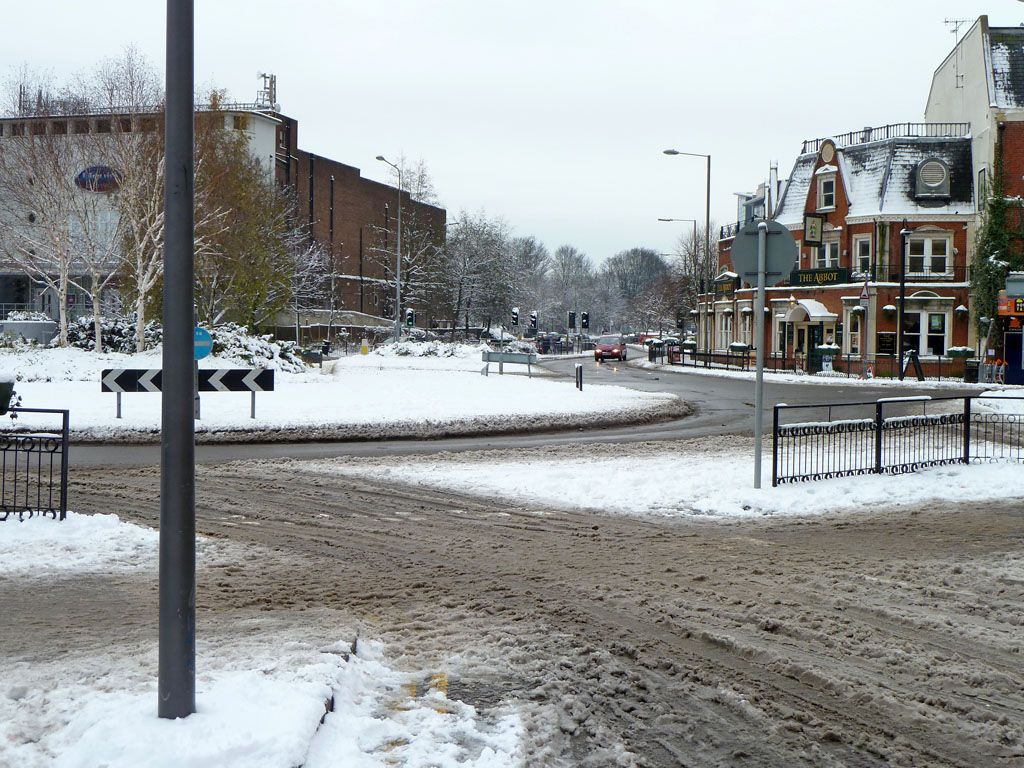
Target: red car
[610,347]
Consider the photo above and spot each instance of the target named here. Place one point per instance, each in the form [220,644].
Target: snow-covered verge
[833,380]
[355,403]
[681,479]
[426,356]
[1007,401]
[262,687]
[45,364]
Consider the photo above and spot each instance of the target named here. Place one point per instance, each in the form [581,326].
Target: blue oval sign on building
[98,178]
[202,343]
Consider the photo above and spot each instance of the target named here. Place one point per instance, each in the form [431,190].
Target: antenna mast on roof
[955,31]
[266,97]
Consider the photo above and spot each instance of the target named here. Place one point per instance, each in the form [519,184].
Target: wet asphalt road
[722,405]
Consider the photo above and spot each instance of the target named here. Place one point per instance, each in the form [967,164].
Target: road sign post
[763,253]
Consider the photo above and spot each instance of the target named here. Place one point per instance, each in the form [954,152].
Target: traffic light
[680,320]
[515,317]
[533,319]
[572,320]
[585,321]
[410,318]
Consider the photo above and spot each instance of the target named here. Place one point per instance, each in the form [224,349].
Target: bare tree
[37,205]
[695,266]
[422,239]
[476,248]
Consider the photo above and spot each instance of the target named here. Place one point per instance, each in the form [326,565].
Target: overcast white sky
[550,113]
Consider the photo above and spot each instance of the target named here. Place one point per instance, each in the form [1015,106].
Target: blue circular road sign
[202,343]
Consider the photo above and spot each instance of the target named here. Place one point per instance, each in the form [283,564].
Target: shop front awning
[810,311]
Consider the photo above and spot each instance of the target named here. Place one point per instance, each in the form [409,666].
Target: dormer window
[826,195]
[932,179]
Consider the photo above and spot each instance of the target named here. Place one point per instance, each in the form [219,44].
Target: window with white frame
[926,332]
[854,321]
[724,335]
[862,255]
[826,192]
[929,254]
[827,254]
[745,331]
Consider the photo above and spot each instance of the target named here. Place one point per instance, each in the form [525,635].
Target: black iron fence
[34,464]
[892,131]
[892,436]
[839,365]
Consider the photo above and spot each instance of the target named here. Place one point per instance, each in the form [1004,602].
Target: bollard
[579,376]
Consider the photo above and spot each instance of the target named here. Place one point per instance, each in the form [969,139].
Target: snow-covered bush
[738,346]
[519,346]
[118,334]
[31,317]
[428,349]
[234,341]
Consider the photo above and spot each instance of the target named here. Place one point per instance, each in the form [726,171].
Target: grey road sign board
[780,253]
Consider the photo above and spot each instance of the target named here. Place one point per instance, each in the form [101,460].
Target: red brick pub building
[855,204]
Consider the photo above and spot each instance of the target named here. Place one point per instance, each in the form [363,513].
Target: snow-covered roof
[1006,45]
[879,178]
[816,311]
[791,207]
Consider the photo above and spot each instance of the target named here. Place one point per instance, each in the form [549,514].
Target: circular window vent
[933,173]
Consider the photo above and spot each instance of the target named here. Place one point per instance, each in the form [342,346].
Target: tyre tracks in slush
[768,642]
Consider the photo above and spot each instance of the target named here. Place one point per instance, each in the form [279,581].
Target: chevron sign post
[252,380]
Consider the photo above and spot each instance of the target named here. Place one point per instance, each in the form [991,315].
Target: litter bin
[675,353]
[971,367]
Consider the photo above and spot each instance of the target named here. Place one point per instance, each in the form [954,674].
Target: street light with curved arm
[398,253]
[707,199]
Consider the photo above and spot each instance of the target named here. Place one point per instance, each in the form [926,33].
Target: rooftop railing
[892,131]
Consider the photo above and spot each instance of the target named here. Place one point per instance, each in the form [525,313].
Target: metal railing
[729,230]
[34,477]
[919,273]
[892,131]
[890,436]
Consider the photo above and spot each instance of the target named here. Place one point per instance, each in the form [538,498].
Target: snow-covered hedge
[519,346]
[234,341]
[960,352]
[428,349]
[118,334]
[830,349]
[28,317]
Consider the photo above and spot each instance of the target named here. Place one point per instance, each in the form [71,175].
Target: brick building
[354,218]
[846,203]
[981,82]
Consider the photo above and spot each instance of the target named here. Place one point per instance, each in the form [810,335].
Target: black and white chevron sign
[210,380]
[236,380]
[130,380]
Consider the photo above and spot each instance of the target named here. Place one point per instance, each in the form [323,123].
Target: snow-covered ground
[261,688]
[684,479]
[1007,401]
[796,378]
[360,396]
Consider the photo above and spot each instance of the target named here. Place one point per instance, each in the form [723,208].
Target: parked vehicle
[610,347]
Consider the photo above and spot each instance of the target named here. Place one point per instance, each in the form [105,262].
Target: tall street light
[398,253]
[707,204]
[694,227]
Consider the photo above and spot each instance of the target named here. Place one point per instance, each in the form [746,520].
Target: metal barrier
[34,470]
[893,439]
